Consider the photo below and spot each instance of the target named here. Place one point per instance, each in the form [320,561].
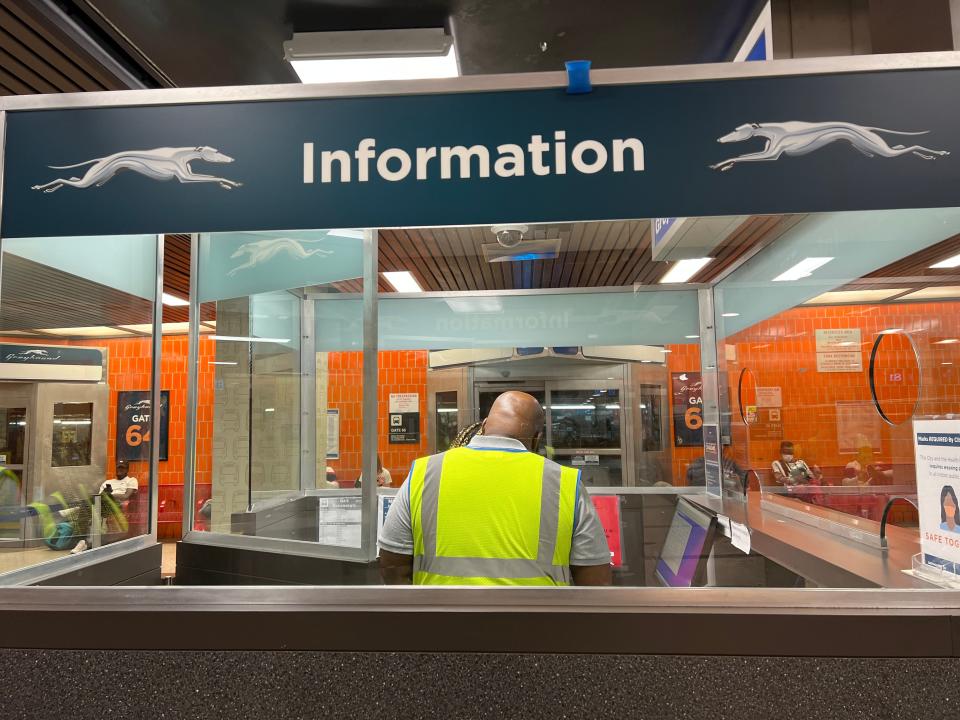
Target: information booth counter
[732,288]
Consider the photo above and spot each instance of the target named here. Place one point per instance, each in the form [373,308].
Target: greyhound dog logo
[258,252]
[35,355]
[157,164]
[801,138]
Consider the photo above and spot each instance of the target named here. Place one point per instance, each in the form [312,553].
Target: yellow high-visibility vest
[491,517]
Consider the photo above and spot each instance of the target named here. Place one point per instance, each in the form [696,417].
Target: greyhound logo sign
[258,252]
[157,164]
[801,138]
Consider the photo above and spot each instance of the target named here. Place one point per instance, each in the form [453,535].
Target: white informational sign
[937,450]
[847,340]
[340,519]
[740,536]
[333,434]
[838,350]
[839,362]
[404,403]
[769,397]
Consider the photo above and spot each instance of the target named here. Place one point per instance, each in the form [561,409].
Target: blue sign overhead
[721,147]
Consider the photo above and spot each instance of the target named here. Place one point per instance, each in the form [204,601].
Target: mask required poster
[937,452]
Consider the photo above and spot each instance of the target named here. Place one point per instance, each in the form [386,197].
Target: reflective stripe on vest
[491,517]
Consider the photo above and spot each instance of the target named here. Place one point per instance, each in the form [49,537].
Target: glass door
[584,423]
[13,434]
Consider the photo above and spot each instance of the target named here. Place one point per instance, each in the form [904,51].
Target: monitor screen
[686,547]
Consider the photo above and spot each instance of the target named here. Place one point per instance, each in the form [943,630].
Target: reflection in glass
[585,418]
[446,419]
[72,433]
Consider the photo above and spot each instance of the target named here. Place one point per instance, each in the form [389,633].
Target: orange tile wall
[400,371]
[781,351]
[129,368]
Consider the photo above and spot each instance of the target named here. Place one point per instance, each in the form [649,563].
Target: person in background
[123,486]
[494,492]
[790,470]
[383,475]
[330,481]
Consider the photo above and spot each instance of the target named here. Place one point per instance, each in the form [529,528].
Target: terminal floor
[16,558]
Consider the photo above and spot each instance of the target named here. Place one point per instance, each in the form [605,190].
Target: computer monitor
[682,561]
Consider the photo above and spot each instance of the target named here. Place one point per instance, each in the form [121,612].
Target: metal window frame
[470,84]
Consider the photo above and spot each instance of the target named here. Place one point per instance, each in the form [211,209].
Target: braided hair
[467,434]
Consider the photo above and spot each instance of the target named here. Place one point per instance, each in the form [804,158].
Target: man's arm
[396,569]
[592,574]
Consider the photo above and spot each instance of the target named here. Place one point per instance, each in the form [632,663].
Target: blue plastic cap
[578,77]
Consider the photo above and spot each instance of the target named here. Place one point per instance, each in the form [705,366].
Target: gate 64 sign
[133,424]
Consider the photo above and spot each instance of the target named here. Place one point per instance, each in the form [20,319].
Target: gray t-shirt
[589,544]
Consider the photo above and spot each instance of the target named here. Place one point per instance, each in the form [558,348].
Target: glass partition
[76,373]
[278,438]
[835,338]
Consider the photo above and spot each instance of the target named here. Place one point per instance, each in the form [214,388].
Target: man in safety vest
[495,513]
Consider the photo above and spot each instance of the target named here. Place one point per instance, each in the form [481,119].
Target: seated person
[330,481]
[383,475]
[790,470]
[123,486]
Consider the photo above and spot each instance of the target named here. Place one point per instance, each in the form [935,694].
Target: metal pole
[308,397]
[155,392]
[368,540]
[190,450]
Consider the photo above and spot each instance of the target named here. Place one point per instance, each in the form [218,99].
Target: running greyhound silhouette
[157,164]
[800,138]
[260,251]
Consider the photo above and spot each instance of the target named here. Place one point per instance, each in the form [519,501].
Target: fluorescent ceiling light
[222,362]
[269,409]
[854,296]
[950,262]
[97,331]
[234,338]
[403,281]
[692,337]
[475,305]
[683,270]
[802,269]
[173,300]
[933,293]
[347,70]
[177,328]
[731,314]
[948,341]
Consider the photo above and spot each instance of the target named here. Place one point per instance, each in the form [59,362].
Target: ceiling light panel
[403,281]
[839,297]
[803,269]
[683,270]
[943,292]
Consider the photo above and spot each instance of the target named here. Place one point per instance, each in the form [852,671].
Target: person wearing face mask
[790,470]
[494,512]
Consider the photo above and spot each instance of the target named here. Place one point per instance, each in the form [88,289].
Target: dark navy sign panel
[678,123]
[49,355]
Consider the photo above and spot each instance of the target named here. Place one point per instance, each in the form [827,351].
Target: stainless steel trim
[156,347]
[844,529]
[371,259]
[487,83]
[3,153]
[308,397]
[711,410]
[193,350]
[277,545]
[395,599]
[66,563]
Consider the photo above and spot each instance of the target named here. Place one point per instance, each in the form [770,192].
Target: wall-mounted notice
[769,397]
[333,434]
[937,450]
[404,418]
[838,350]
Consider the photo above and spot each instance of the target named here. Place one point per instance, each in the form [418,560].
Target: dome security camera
[509,236]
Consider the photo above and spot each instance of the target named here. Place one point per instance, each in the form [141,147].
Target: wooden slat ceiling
[36,57]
